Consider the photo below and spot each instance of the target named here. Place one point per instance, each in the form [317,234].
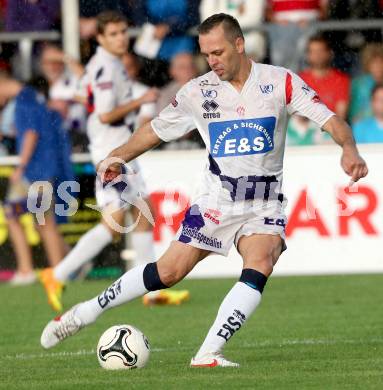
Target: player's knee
[264,263]
[171,276]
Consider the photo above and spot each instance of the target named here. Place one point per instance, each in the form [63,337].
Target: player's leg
[24,271]
[260,252]
[142,236]
[14,209]
[89,246]
[173,266]
[143,246]
[52,239]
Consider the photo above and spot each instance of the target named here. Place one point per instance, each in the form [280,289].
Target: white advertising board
[320,239]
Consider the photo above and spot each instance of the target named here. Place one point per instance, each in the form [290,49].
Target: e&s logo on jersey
[242,137]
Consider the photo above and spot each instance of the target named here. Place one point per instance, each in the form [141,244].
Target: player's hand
[150,96]
[108,172]
[353,164]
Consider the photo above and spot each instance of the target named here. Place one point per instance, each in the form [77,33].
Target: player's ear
[240,45]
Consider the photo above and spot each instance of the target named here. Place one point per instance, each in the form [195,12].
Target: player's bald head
[230,26]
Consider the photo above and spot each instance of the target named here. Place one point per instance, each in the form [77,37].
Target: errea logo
[210,106]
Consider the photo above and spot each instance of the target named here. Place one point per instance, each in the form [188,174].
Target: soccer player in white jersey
[241,110]
[112,115]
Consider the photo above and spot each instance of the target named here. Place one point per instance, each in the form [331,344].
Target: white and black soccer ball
[123,347]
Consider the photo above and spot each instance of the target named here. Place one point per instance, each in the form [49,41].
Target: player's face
[318,55]
[222,55]
[115,38]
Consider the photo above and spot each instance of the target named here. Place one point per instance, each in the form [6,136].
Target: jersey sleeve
[82,85]
[176,119]
[304,101]
[104,89]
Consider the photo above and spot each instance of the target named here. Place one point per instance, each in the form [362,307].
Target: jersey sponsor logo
[268,88]
[209,93]
[105,85]
[212,215]
[210,106]
[316,99]
[241,111]
[174,102]
[242,137]
[306,89]
[206,82]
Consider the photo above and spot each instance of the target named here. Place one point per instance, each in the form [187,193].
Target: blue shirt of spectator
[31,114]
[360,107]
[179,15]
[368,131]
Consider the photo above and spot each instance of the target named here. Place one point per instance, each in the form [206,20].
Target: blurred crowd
[345,67]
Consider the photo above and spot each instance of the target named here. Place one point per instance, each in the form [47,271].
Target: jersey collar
[104,53]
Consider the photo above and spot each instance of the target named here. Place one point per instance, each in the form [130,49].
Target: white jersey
[106,86]
[147,110]
[244,132]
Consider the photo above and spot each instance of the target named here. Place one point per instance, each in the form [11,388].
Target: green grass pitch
[309,333]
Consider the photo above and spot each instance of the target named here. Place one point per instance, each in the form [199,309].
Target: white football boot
[213,359]
[60,328]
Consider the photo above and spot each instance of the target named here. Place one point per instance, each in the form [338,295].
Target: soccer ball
[123,347]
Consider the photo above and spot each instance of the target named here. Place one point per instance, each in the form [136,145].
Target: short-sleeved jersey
[244,132]
[147,110]
[106,85]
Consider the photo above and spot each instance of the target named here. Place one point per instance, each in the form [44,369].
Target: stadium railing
[25,40]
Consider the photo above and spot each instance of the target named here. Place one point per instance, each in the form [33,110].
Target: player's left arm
[303,100]
[351,162]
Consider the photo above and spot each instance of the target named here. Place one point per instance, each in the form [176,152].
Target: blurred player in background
[44,156]
[146,111]
[112,114]
[240,109]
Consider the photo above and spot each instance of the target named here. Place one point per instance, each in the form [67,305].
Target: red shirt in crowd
[334,87]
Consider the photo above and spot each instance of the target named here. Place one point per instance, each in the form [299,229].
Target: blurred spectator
[32,15]
[361,87]
[182,70]
[303,132]
[332,85]
[165,25]
[289,19]
[63,74]
[43,157]
[7,128]
[147,111]
[350,42]
[370,130]
[249,14]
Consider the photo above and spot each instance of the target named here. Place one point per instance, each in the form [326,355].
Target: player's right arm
[173,122]
[121,111]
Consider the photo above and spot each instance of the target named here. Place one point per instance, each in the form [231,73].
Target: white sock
[128,287]
[89,245]
[142,244]
[235,309]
